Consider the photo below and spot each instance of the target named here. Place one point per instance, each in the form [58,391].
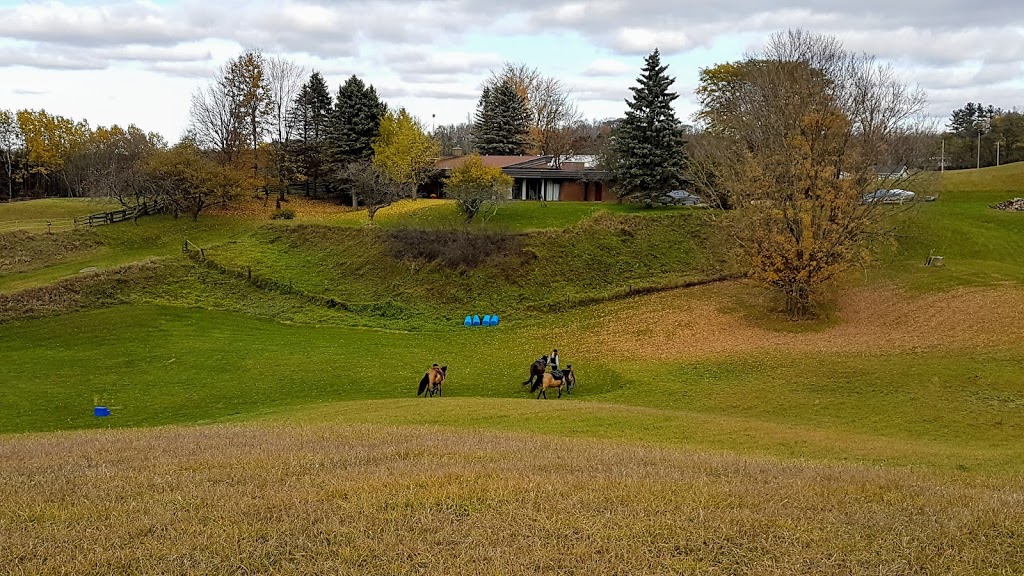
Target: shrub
[283,214]
[451,248]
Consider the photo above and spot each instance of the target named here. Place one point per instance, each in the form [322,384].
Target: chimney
[457,151]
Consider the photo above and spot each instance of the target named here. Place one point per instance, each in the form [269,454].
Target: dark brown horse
[537,370]
[557,380]
[433,380]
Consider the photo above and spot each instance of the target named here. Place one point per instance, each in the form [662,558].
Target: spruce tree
[355,122]
[649,145]
[311,116]
[502,121]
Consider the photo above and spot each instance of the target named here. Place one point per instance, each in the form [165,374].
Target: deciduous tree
[371,186]
[246,83]
[11,146]
[50,142]
[801,130]
[213,123]
[474,186]
[403,153]
[189,181]
[284,79]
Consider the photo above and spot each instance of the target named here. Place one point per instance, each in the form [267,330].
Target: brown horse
[536,372]
[432,381]
[549,381]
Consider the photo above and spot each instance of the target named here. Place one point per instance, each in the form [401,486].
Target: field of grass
[31,212]
[980,245]
[701,438]
[371,499]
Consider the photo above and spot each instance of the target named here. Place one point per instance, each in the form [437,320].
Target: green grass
[119,244]
[597,257]
[184,342]
[52,209]
[161,365]
[981,246]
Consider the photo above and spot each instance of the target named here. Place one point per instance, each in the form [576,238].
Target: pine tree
[355,122]
[502,121]
[649,143]
[311,116]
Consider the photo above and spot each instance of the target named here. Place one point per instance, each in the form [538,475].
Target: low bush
[451,248]
[283,214]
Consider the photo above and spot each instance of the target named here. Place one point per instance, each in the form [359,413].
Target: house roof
[896,169]
[542,167]
[490,161]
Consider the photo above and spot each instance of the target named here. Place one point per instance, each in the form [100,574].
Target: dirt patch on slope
[694,323]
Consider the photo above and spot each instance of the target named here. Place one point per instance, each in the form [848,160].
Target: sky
[139,61]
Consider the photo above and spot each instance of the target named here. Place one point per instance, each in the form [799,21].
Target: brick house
[574,179]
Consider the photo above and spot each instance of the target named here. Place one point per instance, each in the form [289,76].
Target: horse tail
[423,384]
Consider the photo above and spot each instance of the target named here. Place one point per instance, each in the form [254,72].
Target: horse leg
[559,391]
[541,393]
[439,394]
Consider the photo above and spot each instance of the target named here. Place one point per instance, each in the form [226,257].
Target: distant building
[572,178]
[893,172]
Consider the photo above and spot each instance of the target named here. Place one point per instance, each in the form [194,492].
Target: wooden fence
[122,215]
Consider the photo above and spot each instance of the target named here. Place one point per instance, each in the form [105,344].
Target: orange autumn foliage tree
[794,138]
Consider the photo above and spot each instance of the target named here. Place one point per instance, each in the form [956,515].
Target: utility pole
[997,152]
[979,150]
[942,159]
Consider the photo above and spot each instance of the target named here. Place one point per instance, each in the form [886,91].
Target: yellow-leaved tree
[403,152]
[473,185]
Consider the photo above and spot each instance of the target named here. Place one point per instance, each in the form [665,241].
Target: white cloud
[608,67]
[434,53]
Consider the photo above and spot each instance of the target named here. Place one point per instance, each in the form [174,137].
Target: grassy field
[51,209]
[705,436]
[370,499]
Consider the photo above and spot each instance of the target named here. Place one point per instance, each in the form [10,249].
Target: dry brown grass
[385,500]
[703,322]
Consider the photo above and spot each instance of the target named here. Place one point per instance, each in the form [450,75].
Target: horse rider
[553,360]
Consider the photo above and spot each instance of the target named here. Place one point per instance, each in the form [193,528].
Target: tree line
[978,136]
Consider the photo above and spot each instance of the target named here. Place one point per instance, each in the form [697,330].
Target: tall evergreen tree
[649,145]
[355,122]
[311,118]
[502,121]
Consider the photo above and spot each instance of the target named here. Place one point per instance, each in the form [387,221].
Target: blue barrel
[468,322]
[494,320]
[476,320]
[101,411]
[487,320]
